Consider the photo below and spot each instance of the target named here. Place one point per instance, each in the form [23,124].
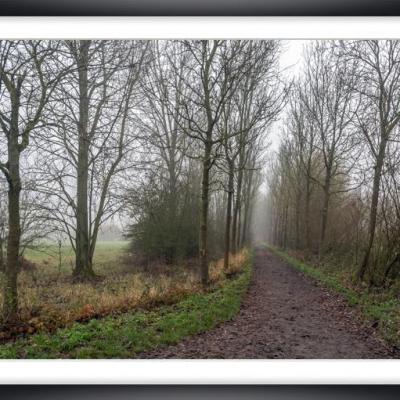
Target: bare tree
[89,140]
[3,222]
[301,126]
[329,101]
[214,73]
[27,79]
[256,103]
[164,141]
[378,84]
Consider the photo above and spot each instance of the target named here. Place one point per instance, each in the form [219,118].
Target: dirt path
[284,315]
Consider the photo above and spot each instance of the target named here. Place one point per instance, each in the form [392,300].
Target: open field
[47,257]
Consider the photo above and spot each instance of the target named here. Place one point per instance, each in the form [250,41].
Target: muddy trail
[285,314]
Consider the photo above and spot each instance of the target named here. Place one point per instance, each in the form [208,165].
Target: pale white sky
[290,62]
[291,58]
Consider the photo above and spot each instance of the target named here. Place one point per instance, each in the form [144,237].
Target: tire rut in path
[285,314]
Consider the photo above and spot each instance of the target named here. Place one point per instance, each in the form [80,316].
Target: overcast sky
[290,63]
[291,58]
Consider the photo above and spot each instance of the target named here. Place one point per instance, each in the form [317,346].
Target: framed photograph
[197,194]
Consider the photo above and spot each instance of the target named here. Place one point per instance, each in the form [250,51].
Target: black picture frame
[338,8]
[200,392]
[200,8]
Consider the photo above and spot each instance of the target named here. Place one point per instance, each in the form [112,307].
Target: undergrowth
[126,335]
[48,300]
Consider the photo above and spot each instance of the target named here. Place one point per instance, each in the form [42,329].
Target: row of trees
[334,186]
[205,111]
[203,117]
[169,132]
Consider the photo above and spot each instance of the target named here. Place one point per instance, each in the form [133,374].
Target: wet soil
[285,314]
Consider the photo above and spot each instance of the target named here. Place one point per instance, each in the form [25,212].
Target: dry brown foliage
[50,301]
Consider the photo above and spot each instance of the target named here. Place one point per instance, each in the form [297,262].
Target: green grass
[383,308]
[128,334]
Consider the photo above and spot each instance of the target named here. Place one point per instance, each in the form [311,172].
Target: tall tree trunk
[228,216]
[239,228]
[1,254]
[324,219]
[285,226]
[246,213]
[307,216]
[172,208]
[276,228]
[205,188]
[281,227]
[374,207]
[297,218]
[247,238]
[83,264]
[243,236]
[10,302]
[236,217]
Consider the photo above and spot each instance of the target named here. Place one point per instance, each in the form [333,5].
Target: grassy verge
[382,309]
[49,299]
[126,335]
